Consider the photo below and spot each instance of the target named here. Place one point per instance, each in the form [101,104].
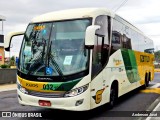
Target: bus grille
[46,94]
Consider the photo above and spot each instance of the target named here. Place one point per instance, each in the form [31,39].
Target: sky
[144,14]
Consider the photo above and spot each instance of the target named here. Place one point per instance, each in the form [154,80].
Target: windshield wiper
[36,63]
[56,65]
[39,60]
[50,56]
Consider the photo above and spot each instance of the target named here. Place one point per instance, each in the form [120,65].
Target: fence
[7,76]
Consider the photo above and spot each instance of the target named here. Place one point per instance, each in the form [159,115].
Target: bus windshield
[54,48]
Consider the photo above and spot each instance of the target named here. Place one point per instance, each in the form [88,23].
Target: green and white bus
[79,59]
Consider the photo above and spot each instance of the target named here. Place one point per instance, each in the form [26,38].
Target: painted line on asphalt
[155,86]
[153,107]
[157,108]
[154,104]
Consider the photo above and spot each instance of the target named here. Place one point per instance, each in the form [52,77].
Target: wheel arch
[115,85]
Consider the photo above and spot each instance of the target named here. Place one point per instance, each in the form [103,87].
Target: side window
[101,46]
[97,56]
[151,50]
[102,21]
[126,42]
[116,41]
[121,36]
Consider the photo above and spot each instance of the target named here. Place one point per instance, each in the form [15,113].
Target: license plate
[44,103]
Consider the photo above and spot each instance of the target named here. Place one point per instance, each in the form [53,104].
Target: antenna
[156,35]
[122,4]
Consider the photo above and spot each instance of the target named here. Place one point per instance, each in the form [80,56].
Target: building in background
[2,55]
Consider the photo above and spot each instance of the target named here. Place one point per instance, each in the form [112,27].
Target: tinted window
[101,46]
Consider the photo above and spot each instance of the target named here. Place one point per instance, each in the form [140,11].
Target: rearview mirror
[90,35]
[8,39]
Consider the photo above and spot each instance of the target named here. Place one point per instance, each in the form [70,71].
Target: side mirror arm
[8,38]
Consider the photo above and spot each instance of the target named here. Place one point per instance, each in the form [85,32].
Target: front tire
[113,98]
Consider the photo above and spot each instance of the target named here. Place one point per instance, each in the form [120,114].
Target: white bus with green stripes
[80,59]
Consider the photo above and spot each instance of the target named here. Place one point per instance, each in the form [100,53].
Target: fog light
[22,89]
[79,102]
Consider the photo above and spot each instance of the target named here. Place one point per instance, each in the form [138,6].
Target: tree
[12,61]
[157,56]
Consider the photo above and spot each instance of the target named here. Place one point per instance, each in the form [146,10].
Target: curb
[8,87]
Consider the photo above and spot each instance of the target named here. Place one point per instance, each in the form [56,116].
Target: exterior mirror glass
[90,35]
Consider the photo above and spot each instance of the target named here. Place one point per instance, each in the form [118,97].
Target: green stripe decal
[130,65]
[66,86]
[61,86]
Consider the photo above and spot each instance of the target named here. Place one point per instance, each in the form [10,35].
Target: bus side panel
[101,84]
[137,65]
[145,66]
[126,67]
[97,91]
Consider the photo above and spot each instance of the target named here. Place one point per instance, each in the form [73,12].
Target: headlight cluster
[22,89]
[76,91]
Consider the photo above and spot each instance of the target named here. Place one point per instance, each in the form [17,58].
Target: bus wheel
[146,80]
[113,98]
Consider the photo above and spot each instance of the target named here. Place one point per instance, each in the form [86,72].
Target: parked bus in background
[80,59]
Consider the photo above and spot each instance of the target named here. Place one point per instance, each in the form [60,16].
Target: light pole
[10,52]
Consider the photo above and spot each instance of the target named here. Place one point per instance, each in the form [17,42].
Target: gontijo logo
[144,58]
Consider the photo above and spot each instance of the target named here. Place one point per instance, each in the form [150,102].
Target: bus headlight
[22,89]
[76,91]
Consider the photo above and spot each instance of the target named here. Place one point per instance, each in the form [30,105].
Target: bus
[80,59]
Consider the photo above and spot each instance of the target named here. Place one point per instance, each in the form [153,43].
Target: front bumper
[65,103]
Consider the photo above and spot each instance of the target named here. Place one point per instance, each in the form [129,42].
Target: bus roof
[81,13]
[72,14]
[122,20]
